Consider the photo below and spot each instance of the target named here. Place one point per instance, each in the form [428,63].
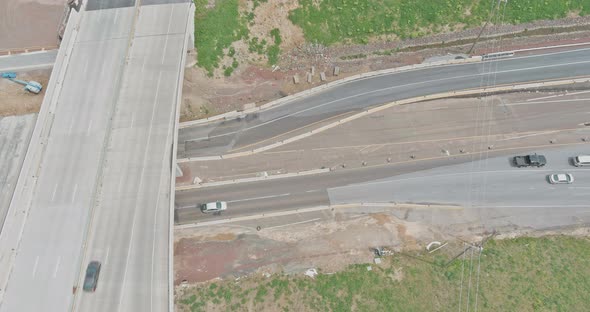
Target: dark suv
[91,279]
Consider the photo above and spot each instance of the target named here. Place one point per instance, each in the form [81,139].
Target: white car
[214,207]
[561,178]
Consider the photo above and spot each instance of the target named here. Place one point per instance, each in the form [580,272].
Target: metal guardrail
[497,55]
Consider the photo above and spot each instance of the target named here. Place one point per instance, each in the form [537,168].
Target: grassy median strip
[522,274]
[356,21]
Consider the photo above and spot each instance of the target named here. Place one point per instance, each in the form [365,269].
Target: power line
[484,185]
[475,195]
[462,271]
[469,284]
[477,283]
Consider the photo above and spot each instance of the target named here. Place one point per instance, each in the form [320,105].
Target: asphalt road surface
[493,182]
[100,187]
[27,61]
[486,183]
[221,137]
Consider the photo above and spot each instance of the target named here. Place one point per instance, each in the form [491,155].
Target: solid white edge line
[294,223]
[256,198]
[543,102]
[552,47]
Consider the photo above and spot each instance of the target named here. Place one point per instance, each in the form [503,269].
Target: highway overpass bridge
[97,179]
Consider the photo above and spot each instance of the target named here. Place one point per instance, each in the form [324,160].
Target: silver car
[561,178]
[215,207]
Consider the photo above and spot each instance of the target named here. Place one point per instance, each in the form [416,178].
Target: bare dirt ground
[14,100]
[329,245]
[207,253]
[342,237]
[29,23]
[255,82]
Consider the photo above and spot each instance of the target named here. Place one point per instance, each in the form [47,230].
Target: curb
[255,179]
[552,47]
[313,209]
[369,111]
[254,217]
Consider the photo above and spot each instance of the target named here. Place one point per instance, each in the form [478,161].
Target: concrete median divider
[253,179]
[203,158]
[488,90]
[228,115]
[234,155]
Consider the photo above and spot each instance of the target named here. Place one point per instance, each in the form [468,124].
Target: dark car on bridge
[91,278]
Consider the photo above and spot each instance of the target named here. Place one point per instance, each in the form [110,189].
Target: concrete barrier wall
[253,179]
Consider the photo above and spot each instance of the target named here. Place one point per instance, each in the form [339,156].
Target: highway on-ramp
[95,183]
[221,137]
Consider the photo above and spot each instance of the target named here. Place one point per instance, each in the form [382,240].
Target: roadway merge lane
[493,182]
[484,183]
[291,193]
[220,137]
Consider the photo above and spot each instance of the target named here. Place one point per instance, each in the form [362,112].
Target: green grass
[273,51]
[255,46]
[276,36]
[228,71]
[523,274]
[344,21]
[215,30]
[356,21]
